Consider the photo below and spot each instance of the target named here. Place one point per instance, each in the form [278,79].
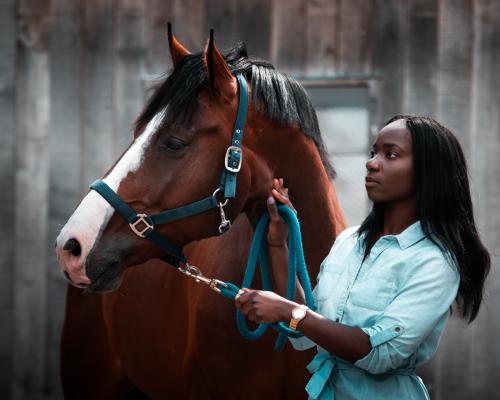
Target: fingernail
[270,200]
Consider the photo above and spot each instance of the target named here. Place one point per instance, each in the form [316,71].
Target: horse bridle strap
[143,225]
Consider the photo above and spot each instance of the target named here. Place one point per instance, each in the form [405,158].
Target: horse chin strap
[143,225]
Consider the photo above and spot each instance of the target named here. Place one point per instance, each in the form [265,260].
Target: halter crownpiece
[143,225]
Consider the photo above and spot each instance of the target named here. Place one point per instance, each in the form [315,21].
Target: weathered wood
[452,365]
[157,57]
[254,27]
[98,93]
[389,44]
[7,174]
[455,67]
[322,41]
[288,36]
[486,171]
[129,64]
[222,17]
[355,39]
[31,199]
[421,62]
[188,17]
[65,165]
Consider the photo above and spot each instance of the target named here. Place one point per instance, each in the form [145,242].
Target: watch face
[298,313]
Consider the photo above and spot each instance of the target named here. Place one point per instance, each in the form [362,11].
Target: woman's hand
[262,306]
[277,231]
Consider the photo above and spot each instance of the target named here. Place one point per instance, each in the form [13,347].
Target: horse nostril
[73,246]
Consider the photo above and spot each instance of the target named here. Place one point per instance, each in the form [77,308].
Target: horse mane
[278,96]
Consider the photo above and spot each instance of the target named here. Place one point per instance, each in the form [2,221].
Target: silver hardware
[197,275]
[235,167]
[225,224]
[217,191]
[238,130]
[148,226]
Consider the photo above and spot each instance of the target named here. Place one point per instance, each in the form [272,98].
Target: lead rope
[296,267]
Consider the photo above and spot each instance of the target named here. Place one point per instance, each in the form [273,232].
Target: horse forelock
[276,95]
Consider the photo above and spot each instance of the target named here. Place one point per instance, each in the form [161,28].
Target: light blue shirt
[400,296]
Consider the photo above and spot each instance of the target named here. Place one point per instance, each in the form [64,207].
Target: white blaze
[94,212]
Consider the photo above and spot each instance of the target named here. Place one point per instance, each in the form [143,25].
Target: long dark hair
[444,207]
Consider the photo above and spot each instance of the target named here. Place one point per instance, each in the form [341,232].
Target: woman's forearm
[278,260]
[347,342]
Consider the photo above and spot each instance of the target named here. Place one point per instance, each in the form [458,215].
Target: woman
[386,288]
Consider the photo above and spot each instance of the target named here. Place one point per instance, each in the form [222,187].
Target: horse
[134,326]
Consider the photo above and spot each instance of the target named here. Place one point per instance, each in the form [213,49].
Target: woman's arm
[347,342]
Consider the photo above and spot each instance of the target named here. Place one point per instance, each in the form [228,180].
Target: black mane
[278,96]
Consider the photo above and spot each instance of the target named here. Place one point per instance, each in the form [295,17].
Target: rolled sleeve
[420,304]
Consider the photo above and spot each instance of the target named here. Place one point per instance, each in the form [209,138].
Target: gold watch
[298,314]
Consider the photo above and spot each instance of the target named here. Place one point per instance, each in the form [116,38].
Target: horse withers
[134,327]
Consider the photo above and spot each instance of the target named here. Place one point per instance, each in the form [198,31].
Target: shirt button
[397,328]
[337,320]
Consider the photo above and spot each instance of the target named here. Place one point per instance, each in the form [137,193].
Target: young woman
[385,290]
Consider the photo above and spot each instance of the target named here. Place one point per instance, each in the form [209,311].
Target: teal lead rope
[296,267]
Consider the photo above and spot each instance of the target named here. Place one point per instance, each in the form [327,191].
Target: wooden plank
[389,44]
[288,37]
[421,64]
[98,94]
[355,37]
[65,166]
[157,57]
[221,16]
[129,63]
[190,26]
[485,172]
[31,200]
[7,173]
[453,360]
[455,67]
[322,41]
[254,27]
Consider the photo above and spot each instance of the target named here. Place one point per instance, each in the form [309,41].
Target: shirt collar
[411,235]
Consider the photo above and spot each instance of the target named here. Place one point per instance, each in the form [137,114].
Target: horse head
[179,150]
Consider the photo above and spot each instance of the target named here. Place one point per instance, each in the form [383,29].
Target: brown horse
[149,330]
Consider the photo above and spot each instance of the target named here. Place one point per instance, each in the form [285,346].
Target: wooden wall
[73,74]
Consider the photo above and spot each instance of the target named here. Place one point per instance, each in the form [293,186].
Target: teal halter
[143,226]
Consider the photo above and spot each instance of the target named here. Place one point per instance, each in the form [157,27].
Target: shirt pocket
[373,293]
[326,284]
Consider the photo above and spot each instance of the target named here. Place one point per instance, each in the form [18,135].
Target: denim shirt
[399,296]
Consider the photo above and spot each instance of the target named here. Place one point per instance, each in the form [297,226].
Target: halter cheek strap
[143,225]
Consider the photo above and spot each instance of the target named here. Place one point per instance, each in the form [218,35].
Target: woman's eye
[173,144]
[372,154]
[391,154]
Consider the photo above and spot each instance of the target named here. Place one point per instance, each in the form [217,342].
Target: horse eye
[173,144]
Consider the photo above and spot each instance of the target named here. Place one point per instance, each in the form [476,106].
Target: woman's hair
[444,207]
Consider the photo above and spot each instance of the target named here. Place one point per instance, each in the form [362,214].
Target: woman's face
[389,177]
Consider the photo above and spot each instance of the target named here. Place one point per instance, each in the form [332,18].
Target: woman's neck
[399,216]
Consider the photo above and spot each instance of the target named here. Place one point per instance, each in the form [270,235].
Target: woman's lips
[370,182]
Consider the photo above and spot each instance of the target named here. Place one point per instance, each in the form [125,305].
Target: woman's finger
[272,209]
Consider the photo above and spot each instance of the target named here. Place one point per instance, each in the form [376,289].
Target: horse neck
[290,154]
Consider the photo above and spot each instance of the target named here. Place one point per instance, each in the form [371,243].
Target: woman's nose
[372,164]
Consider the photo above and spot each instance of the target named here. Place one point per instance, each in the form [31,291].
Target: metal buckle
[233,168]
[141,218]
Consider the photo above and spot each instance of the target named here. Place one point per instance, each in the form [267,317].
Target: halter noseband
[143,225]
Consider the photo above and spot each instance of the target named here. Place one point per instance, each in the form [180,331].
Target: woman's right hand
[278,231]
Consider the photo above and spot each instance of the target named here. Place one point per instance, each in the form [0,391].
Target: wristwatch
[298,314]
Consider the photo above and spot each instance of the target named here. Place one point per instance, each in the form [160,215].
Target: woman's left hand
[263,306]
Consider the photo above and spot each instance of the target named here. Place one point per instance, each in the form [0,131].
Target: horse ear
[177,50]
[219,74]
